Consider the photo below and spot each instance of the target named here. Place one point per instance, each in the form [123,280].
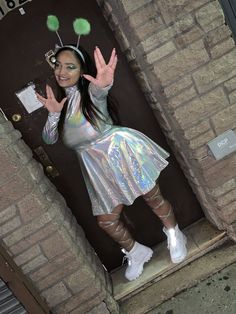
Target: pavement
[216,294]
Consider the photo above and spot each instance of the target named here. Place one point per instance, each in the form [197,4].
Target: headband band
[75,49]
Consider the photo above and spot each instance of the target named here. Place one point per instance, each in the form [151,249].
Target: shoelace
[126,258]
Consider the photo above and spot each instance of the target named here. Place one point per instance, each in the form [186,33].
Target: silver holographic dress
[118,163]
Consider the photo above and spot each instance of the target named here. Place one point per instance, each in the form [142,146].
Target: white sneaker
[176,243]
[139,255]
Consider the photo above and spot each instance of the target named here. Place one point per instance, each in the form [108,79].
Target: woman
[119,164]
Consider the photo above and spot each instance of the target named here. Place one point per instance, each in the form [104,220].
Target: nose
[61,70]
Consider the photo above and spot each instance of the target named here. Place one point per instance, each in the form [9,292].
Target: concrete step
[157,278]
[188,276]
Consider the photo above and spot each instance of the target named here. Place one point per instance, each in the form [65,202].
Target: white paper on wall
[28,98]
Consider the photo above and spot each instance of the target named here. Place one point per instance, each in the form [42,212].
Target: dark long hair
[90,111]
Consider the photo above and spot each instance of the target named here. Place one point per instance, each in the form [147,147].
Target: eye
[71,67]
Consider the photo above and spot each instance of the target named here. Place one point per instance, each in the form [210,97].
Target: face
[67,69]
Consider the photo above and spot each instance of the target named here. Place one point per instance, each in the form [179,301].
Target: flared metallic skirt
[120,166]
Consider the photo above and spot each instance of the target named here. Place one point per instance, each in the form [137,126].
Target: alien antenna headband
[81,27]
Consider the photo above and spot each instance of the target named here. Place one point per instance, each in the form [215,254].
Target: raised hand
[50,102]
[105,72]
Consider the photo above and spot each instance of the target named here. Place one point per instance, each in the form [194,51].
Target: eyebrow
[67,63]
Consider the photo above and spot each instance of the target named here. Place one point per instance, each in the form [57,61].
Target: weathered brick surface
[224,120]
[210,16]
[230,85]
[183,61]
[31,239]
[197,130]
[7,165]
[229,213]
[183,40]
[202,139]
[144,14]
[86,300]
[178,86]
[41,234]
[224,188]
[201,107]
[215,72]
[192,85]
[33,264]
[227,198]
[173,10]
[7,213]
[161,52]
[32,205]
[9,226]
[52,278]
[26,230]
[212,177]
[134,5]
[56,294]
[185,96]
[217,35]
[50,268]
[101,309]
[27,255]
[219,50]
[150,27]
[54,245]
[166,34]
[14,189]
[80,279]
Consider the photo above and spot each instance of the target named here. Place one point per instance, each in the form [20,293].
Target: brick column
[185,61]
[43,238]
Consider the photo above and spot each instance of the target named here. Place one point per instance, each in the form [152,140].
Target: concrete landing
[213,295]
[209,251]
[202,237]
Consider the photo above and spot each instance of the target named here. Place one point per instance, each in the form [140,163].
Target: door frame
[20,285]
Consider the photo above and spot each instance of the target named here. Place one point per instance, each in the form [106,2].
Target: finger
[48,91]
[114,63]
[112,58]
[41,98]
[51,94]
[99,58]
[97,63]
[63,101]
[89,78]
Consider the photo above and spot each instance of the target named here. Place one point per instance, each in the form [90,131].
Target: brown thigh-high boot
[176,240]
[136,253]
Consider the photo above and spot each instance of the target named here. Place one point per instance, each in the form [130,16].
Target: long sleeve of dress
[97,94]
[50,130]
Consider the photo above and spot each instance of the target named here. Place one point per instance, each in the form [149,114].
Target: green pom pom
[52,23]
[81,26]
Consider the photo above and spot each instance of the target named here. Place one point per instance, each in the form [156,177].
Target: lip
[63,78]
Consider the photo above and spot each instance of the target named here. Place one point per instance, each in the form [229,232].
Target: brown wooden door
[25,39]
